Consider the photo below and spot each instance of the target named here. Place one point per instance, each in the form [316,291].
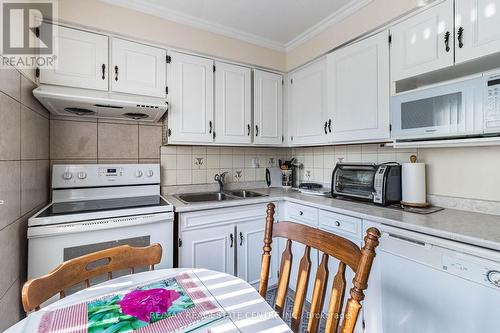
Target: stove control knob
[494,278]
[138,173]
[150,173]
[67,175]
[82,175]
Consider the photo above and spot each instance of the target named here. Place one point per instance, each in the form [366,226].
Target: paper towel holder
[413,159]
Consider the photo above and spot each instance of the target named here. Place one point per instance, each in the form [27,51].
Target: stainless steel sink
[204,197]
[246,194]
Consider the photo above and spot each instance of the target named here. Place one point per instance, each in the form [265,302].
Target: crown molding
[179,17]
[330,20]
[182,18]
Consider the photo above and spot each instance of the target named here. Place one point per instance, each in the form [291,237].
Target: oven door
[450,109]
[49,246]
[354,180]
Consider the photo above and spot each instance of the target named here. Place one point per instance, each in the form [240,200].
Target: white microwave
[450,109]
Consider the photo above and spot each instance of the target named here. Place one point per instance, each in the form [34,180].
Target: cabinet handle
[326,125]
[116,73]
[330,125]
[103,71]
[231,237]
[241,238]
[337,223]
[256,130]
[301,213]
[248,129]
[210,126]
[447,41]
[460,37]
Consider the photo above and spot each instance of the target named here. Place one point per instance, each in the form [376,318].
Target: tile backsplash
[319,162]
[186,165]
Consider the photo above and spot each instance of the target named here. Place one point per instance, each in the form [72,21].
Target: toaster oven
[377,183]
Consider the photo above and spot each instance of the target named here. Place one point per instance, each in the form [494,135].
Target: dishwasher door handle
[406,239]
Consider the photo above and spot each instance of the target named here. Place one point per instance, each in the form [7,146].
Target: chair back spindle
[345,251]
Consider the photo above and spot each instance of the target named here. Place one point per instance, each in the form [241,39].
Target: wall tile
[73,140]
[10,306]
[169,162]
[117,141]
[199,176]
[35,141]
[10,192]
[213,161]
[34,184]
[10,82]
[28,99]
[150,141]
[13,253]
[184,177]
[10,124]
[184,162]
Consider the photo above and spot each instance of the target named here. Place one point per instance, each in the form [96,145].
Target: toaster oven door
[354,181]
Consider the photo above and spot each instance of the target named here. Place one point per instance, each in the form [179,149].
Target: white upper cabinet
[268,107]
[82,60]
[233,105]
[138,68]
[423,43]
[309,117]
[359,90]
[477,28]
[191,99]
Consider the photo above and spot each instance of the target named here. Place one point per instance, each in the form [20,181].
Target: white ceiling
[279,24]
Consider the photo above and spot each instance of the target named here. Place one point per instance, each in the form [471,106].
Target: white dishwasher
[421,283]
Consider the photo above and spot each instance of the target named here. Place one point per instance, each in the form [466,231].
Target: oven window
[77,251]
[355,181]
[431,112]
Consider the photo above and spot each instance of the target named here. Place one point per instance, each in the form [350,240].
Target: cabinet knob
[301,213]
[337,223]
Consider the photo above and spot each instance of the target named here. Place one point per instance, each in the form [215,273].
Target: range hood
[85,103]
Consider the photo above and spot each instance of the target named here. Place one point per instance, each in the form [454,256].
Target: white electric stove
[98,206]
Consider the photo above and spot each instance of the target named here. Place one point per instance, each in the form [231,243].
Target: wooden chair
[80,270]
[359,260]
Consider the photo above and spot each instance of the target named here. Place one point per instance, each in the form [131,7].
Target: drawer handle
[301,213]
[337,223]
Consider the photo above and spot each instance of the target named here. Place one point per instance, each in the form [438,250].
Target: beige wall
[463,172]
[374,15]
[103,16]
[24,174]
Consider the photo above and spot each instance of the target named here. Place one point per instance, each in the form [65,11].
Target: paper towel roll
[413,184]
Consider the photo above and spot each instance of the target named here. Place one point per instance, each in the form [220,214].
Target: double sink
[217,196]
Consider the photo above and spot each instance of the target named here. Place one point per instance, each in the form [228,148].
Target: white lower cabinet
[227,240]
[208,248]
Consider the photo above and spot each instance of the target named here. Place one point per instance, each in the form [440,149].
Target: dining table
[245,310]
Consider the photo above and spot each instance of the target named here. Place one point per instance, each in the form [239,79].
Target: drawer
[341,224]
[301,213]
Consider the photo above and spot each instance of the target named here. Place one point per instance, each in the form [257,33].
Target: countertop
[466,227]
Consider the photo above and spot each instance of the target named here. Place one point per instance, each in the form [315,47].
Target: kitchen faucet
[220,178]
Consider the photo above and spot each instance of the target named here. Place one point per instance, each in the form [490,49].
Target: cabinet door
[233,116]
[250,239]
[268,107]
[211,248]
[191,99]
[359,89]
[477,28]
[423,43]
[82,60]
[308,105]
[138,68]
